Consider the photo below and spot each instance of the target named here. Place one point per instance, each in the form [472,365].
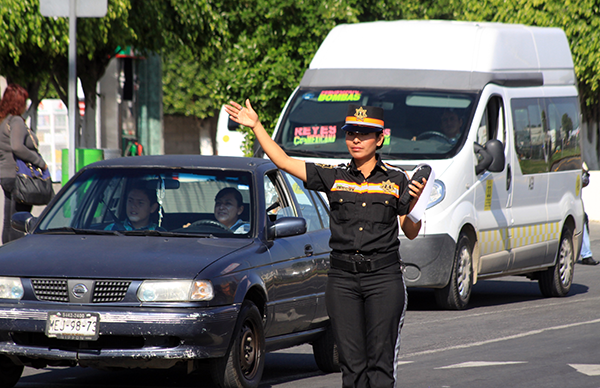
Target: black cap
[364,119]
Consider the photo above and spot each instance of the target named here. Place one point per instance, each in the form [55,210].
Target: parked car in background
[78,291]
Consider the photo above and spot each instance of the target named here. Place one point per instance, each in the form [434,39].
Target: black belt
[359,263]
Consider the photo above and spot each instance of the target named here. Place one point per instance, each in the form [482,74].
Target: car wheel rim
[565,262]
[463,280]
[248,352]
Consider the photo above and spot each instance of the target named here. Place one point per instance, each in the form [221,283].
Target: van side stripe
[505,239]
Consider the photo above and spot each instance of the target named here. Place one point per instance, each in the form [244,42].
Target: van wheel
[243,365]
[10,373]
[557,280]
[326,352]
[456,295]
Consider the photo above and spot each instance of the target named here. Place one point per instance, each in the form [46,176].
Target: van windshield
[418,124]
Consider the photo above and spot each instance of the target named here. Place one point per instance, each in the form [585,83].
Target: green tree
[580,19]
[147,25]
[270,45]
[29,47]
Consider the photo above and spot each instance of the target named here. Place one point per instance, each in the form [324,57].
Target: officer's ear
[380,139]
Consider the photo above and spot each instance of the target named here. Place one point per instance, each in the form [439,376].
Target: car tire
[456,294]
[243,365]
[326,352]
[10,373]
[557,280]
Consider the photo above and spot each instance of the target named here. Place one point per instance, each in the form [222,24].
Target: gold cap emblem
[361,114]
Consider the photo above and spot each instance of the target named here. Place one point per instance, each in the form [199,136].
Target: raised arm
[246,116]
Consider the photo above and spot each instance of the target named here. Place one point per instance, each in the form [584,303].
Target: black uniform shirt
[363,211]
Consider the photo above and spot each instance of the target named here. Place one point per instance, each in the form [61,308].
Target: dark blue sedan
[154,261]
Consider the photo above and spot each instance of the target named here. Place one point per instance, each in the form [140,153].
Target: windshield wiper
[163,234]
[71,230]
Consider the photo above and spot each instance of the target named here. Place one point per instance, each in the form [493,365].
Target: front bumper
[126,337]
[428,260]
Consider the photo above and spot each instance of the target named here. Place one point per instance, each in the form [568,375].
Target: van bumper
[428,260]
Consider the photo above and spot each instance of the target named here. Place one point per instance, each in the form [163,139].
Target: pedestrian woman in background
[16,140]
[366,294]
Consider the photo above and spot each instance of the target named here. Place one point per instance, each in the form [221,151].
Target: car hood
[128,257]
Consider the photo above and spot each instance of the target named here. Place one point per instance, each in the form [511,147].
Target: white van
[493,108]
[230,141]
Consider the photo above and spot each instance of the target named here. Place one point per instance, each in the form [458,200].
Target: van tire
[556,280]
[456,294]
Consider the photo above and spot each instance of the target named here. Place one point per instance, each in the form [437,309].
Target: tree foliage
[34,49]
[580,19]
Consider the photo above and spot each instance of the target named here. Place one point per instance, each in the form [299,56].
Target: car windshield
[154,202]
[418,124]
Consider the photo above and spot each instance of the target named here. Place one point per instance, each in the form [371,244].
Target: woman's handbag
[32,185]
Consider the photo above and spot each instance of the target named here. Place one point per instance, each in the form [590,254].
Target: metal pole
[73,108]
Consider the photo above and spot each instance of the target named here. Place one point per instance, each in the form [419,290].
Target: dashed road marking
[475,364]
[587,369]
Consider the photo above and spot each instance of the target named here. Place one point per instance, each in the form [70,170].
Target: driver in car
[228,208]
[140,206]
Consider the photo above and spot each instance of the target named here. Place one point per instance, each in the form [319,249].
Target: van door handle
[308,250]
[508,176]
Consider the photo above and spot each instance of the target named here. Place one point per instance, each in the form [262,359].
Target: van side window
[492,122]
[529,119]
[547,134]
[563,134]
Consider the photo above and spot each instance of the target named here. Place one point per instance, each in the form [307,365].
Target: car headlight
[438,192]
[11,288]
[175,290]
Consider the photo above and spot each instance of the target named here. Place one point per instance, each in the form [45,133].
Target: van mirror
[232,125]
[490,157]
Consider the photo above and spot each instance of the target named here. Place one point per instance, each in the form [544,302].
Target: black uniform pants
[367,313]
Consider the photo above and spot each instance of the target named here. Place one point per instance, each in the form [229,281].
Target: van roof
[463,55]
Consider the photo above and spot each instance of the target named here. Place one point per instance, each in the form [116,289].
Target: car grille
[109,291]
[55,290]
[52,290]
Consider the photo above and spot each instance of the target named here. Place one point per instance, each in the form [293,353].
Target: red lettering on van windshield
[315,135]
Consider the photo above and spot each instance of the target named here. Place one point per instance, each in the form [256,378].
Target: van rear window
[418,125]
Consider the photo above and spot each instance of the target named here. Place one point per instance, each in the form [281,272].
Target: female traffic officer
[366,294]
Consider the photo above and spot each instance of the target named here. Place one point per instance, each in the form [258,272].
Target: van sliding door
[530,230]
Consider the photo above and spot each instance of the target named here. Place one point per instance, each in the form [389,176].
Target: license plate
[72,326]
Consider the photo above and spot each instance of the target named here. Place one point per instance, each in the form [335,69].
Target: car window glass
[276,202]
[308,208]
[321,208]
[185,201]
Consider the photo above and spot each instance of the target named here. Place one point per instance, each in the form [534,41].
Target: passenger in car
[140,206]
[229,205]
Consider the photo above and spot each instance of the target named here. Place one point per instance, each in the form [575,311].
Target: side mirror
[23,222]
[490,157]
[287,226]
[232,125]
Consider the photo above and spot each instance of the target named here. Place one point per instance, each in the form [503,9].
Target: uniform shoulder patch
[322,165]
[395,168]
